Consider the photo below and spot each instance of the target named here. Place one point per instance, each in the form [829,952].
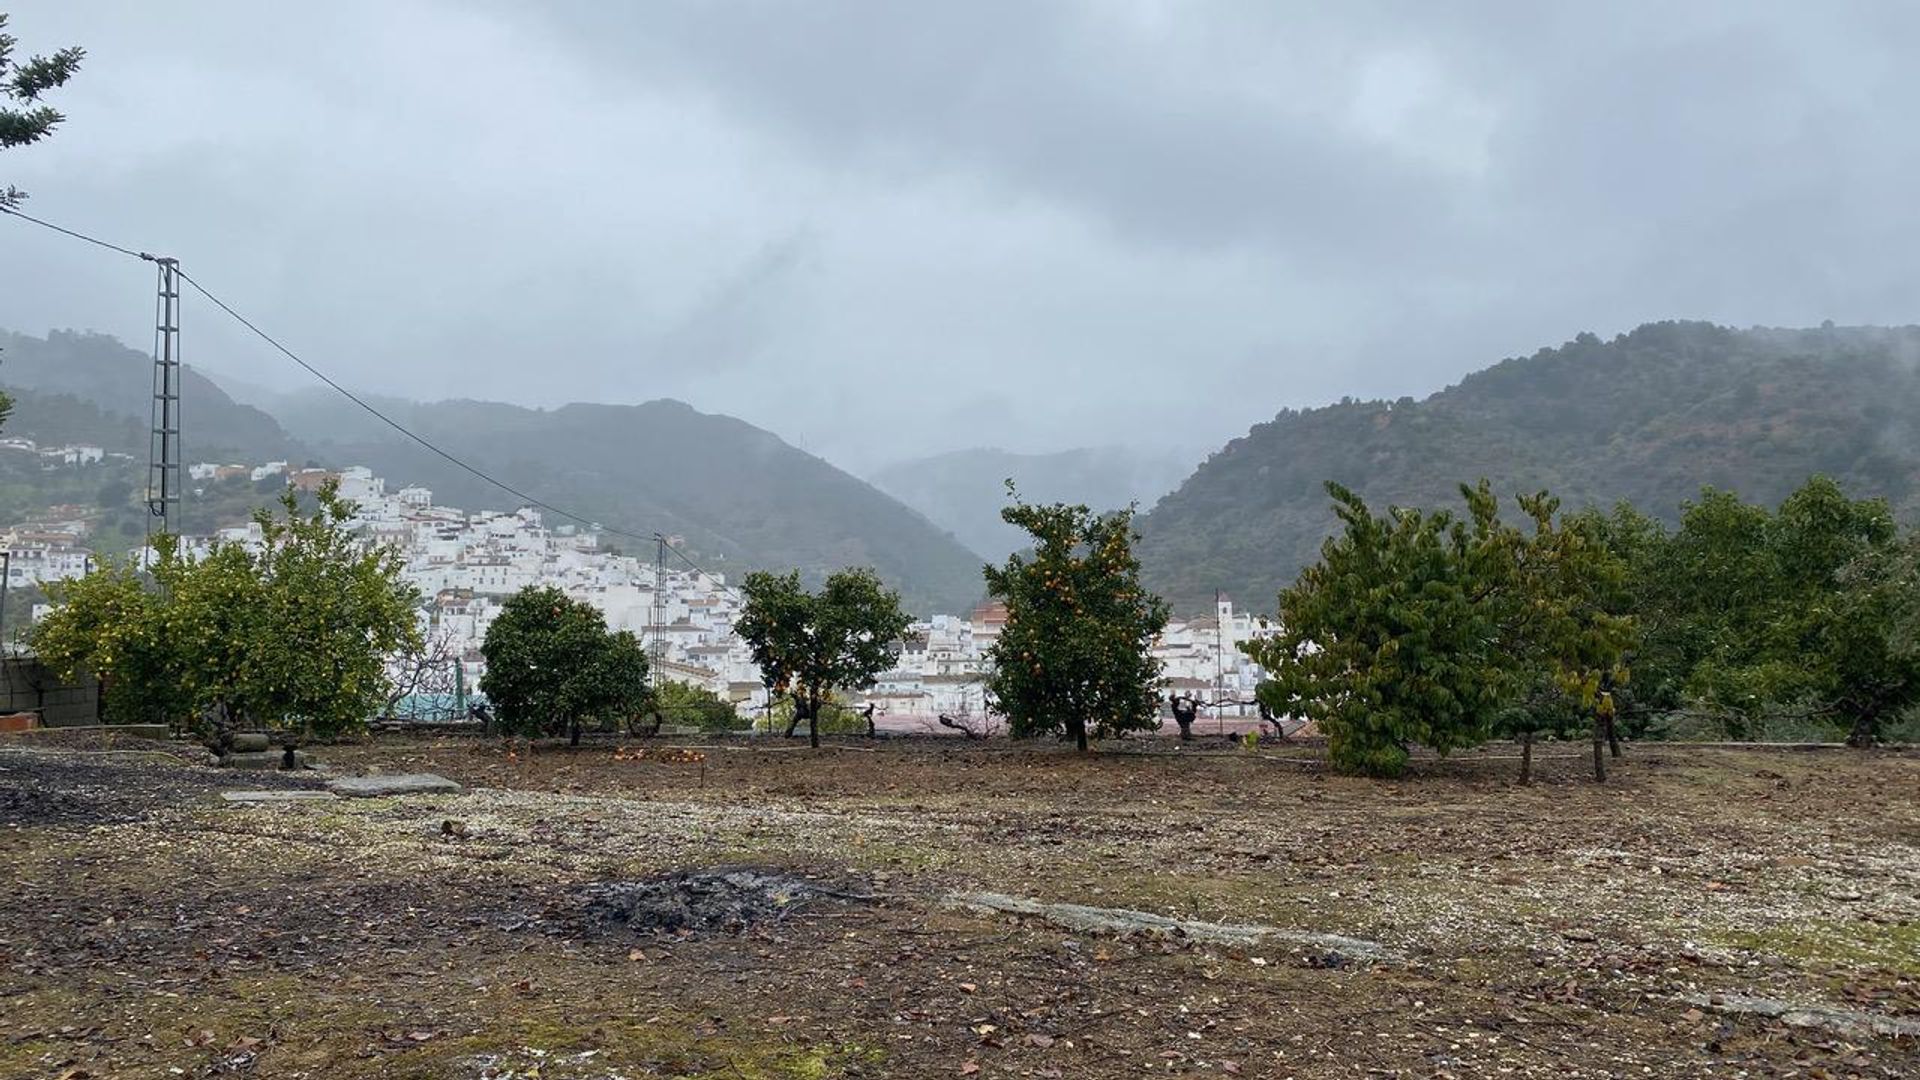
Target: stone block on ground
[370,787]
[251,742]
[1080,917]
[157,732]
[267,759]
[284,795]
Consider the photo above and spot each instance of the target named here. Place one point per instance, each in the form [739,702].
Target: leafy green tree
[212,614]
[1881,601]
[1428,628]
[111,624]
[552,665]
[1543,708]
[1075,654]
[333,610]
[1390,639]
[1663,650]
[1748,614]
[1570,620]
[684,703]
[810,644]
[834,716]
[292,638]
[24,118]
[1796,609]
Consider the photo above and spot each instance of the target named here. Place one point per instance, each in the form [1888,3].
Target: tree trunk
[289,759]
[1613,736]
[1862,735]
[1526,757]
[1080,734]
[574,732]
[799,714]
[1599,749]
[221,719]
[813,725]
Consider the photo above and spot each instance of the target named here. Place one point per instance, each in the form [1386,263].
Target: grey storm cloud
[884,229]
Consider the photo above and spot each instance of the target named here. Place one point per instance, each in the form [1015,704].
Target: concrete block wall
[27,685]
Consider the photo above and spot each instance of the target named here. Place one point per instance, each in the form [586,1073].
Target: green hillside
[118,381]
[1650,416]
[742,498]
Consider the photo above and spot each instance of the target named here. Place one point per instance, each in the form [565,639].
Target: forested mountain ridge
[118,381]
[1650,416]
[740,496]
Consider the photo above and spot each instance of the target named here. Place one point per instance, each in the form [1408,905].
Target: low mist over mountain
[1650,416]
[118,382]
[742,498]
[964,491]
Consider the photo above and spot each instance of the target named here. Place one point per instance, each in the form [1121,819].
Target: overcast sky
[889,229]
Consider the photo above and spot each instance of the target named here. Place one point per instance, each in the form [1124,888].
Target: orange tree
[810,644]
[552,665]
[1075,654]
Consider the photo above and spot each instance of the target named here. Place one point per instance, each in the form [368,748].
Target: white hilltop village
[467,563]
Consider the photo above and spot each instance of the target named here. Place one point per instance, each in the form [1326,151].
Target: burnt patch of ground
[727,898]
[41,786]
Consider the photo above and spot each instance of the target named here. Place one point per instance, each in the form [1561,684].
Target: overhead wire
[451,458]
[24,216]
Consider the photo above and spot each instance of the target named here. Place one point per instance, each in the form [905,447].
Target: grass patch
[1857,944]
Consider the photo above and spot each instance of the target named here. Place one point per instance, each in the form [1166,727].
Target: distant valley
[963,491]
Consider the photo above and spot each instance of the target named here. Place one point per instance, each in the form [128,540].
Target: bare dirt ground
[558,920]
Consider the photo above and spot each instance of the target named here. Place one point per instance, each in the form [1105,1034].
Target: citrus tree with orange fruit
[1075,654]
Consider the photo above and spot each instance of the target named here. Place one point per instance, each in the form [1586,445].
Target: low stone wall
[27,685]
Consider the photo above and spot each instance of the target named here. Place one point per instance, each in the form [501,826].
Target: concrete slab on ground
[282,796]
[133,731]
[266,759]
[371,787]
[1120,920]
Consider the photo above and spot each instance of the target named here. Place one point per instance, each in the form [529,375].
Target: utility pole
[6,578]
[163,469]
[1219,665]
[656,644]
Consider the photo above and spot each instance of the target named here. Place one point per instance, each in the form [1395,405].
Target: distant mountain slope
[98,369]
[742,498]
[1650,416]
[62,419]
[964,491]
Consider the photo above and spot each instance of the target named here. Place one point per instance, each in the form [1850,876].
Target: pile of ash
[728,898]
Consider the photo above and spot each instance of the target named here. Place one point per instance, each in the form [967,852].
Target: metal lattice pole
[1219,665]
[656,644]
[164,479]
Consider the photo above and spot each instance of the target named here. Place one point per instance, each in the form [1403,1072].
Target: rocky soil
[760,911]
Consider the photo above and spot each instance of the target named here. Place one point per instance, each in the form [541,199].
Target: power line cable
[682,556]
[24,216]
[397,425]
[452,459]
